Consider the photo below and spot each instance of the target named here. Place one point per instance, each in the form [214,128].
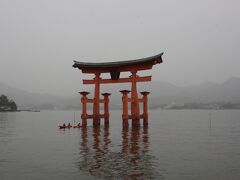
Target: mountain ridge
[161,93]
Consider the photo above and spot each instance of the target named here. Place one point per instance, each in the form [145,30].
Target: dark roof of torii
[118,65]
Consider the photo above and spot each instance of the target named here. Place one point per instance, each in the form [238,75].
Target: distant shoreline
[9,111]
[21,111]
[151,109]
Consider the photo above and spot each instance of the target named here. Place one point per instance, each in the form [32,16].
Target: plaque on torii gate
[115,69]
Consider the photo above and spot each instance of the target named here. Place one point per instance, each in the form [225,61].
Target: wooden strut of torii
[115,68]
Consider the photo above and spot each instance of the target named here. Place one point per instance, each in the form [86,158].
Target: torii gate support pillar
[145,107]
[106,108]
[84,100]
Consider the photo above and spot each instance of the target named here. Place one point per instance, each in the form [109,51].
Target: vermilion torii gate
[115,68]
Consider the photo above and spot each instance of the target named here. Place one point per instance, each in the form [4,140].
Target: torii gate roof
[119,66]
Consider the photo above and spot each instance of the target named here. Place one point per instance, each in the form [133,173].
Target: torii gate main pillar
[96,101]
[134,96]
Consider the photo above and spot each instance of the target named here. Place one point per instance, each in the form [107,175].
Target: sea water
[177,144]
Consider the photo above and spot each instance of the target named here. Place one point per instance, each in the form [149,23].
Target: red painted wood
[84,99]
[121,80]
[145,107]
[125,107]
[106,109]
[139,67]
[134,96]
[134,100]
[96,104]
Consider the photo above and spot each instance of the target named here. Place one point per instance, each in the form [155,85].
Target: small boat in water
[77,126]
[64,126]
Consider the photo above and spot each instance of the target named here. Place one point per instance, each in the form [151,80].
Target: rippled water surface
[176,145]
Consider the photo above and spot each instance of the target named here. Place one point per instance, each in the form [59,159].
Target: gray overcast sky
[40,39]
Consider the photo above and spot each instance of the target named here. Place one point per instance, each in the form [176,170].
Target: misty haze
[188,127]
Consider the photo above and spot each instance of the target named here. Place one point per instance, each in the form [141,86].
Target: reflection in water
[6,133]
[131,161]
[3,120]
[7,120]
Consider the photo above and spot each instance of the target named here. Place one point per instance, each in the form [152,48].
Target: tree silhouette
[6,104]
[3,100]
